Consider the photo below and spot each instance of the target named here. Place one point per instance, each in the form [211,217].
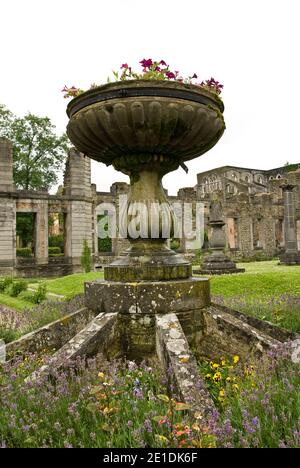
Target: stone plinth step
[219,272]
[173,351]
[147,297]
[290,258]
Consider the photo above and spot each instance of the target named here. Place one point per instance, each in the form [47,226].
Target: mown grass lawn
[260,280]
[15,302]
[72,284]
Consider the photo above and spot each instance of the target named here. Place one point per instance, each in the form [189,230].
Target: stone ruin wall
[251,200]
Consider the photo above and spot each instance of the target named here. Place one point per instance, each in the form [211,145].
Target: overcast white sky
[251,46]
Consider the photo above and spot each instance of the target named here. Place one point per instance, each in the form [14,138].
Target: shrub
[5,282]
[104,245]
[41,293]
[199,254]
[36,297]
[17,287]
[57,241]
[86,260]
[175,244]
[53,251]
[24,252]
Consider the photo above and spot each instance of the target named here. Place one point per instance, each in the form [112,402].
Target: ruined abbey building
[252,204]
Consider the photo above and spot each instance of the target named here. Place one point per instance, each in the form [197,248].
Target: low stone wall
[256,255]
[51,336]
[94,339]
[228,334]
[267,328]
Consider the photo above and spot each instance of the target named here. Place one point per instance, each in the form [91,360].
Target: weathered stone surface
[95,338]
[51,336]
[289,258]
[147,297]
[138,303]
[226,334]
[173,351]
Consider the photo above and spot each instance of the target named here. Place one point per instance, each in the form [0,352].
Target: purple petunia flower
[146,63]
[170,75]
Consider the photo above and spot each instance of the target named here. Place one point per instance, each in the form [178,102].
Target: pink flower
[163,63]
[194,76]
[170,75]
[146,63]
[124,65]
[158,69]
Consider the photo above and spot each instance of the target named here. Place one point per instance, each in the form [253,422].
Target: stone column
[79,217]
[7,209]
[41,233]
[291,255]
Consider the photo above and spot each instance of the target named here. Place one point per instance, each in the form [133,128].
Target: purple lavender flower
[148,425]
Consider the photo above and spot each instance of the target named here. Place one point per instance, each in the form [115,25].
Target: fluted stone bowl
[117,121]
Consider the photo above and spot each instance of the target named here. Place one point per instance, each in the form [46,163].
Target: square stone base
[138,303]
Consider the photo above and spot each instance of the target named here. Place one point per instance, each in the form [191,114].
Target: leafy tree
[6,120]
[25,228]
[39,153]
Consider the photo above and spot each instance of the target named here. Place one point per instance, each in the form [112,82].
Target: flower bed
[258,404]
[124,405]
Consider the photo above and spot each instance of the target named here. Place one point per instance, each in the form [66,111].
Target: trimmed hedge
[53,251]
[24,252]
[57,241]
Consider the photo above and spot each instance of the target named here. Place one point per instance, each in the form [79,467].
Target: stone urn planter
[146,129]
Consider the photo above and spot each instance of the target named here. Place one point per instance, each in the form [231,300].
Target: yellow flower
[208,376]
[215,366]
[235,387]
[217,377]
[101,375]
[221,396]
[223,362]
[229,379]
[236,359]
